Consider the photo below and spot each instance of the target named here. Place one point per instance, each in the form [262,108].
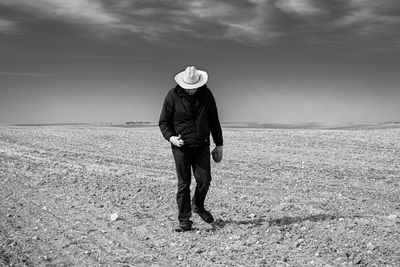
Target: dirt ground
[103,196]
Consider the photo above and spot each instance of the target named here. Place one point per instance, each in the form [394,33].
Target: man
[188,116]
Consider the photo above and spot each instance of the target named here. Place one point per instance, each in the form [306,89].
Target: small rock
[392,217]
[35,237]
[251,215]
[370,246]
[357,260]
[263,261]
[44,208]
[341,219]
[234,237]
[298,242]
[317,254]
[114,217]
[180,258]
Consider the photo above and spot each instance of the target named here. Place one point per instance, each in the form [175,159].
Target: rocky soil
[91,196]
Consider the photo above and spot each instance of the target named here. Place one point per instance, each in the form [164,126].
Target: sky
[267,60]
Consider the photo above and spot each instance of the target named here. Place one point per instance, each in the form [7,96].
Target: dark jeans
[187,159]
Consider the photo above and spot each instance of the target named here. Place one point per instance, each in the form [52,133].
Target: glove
[217,154]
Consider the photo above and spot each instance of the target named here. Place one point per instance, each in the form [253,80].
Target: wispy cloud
[51,75]
[242,21]
[107,57]
[7,26]
[372,17]
[375,23]
[26,74]
[299,7]
[342,22]
[227,20]
[78,11]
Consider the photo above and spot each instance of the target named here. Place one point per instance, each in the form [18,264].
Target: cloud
[340,22]
[299,7]
[79,11]
[371,19]
[107,57]
[244,22]
[241,21]
[51,75]
[26,74]
[249,22]
[367,12]
[7,26]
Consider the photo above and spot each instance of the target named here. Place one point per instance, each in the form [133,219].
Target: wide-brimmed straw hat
[191,78]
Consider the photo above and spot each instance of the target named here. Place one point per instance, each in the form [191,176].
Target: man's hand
[176,141]
[217,154]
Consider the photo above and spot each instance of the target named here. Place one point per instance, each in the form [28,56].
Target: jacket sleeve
[166,117]
[215,126]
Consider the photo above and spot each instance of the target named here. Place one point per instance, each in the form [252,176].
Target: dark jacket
[192,117]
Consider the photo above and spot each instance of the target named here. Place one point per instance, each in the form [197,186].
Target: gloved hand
[217,154]
[176,141]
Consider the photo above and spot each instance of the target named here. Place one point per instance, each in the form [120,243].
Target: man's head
[191,79]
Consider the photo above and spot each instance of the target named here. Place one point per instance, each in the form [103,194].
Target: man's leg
[202,174]
[182,163]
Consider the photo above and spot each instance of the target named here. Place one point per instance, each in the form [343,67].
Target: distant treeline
[386,122]
[137,122]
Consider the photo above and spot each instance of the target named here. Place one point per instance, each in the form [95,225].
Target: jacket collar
[182,93]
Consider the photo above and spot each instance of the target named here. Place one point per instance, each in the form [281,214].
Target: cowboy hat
[191,78]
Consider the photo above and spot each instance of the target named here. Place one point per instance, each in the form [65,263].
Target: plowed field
[90,196]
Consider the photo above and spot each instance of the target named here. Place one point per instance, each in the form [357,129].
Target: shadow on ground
[287,220]
[298,219]
[220,223]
